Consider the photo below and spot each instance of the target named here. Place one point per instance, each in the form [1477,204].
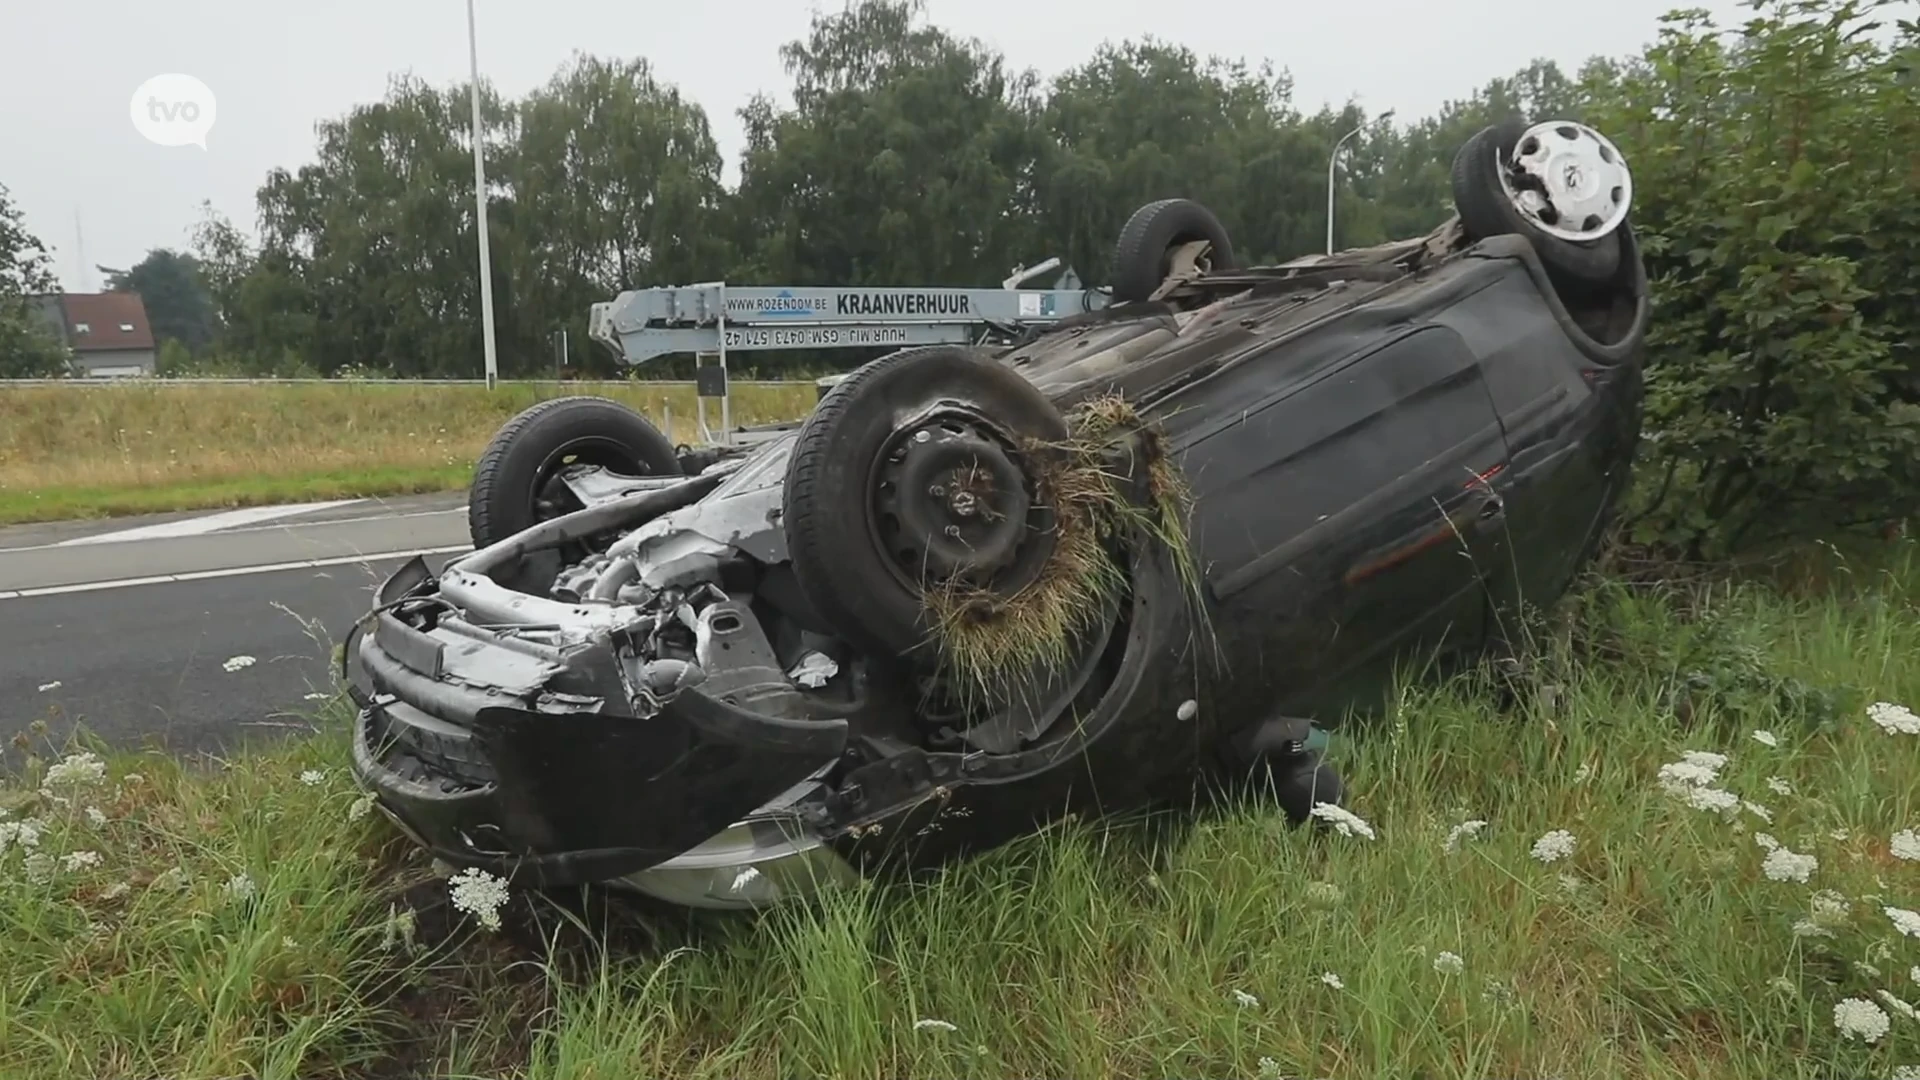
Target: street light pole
[480,204]
[1333,159]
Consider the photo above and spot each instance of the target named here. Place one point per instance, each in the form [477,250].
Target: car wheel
[1142,257]
[517,484]
[1561,185]
[917,470]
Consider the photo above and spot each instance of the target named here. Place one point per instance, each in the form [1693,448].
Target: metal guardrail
[150,381]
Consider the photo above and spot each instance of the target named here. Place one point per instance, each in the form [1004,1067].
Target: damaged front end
[637,718]
[674,713]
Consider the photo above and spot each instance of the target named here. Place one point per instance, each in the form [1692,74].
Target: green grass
[95,451]
[1659,948]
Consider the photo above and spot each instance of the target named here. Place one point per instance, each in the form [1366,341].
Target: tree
[178,305]
[27,348]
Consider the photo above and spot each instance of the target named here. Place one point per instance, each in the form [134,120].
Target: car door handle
[1491,512]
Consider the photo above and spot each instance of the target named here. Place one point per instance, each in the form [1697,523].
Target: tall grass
[1221,944]
[82,451]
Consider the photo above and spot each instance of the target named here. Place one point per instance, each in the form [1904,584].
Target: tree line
[1775,164]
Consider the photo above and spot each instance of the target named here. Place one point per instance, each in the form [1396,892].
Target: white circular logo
[173,110]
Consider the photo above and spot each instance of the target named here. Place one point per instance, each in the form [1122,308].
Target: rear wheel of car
[1560,185]
[517,482]
[916,471]
[1143,256]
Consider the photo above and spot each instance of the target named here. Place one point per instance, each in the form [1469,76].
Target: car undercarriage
[1141,546]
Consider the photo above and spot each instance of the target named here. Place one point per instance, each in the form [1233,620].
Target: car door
[1345,513]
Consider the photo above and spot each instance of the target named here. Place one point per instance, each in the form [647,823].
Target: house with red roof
[107,333]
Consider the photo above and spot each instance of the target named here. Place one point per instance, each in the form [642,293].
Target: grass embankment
[95,451]
[1669,936]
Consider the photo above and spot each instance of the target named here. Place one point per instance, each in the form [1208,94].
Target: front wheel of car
[1561,185]
[918,471]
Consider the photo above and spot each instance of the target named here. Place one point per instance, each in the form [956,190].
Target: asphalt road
[127,627]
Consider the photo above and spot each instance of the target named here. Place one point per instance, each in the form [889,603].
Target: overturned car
[1142,548]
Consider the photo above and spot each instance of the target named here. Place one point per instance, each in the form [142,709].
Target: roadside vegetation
[1681,843]
[68,452]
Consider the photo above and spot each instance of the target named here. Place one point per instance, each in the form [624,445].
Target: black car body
[1386,453]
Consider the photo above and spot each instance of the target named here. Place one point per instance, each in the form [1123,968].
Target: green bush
[1774,171]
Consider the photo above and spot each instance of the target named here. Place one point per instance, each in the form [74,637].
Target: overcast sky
[69,148]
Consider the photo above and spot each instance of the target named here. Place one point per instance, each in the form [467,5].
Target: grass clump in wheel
[1110,485]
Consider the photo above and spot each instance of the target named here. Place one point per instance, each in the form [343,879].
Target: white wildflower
[1244,999]
[77,861]
[24,833]
[1583,773]
[1766,840]
[361,807]
[1449,964]
[1466,830]
[1676,777]
[1898,1005]
[39,867]
[1779,786]
[1865,970]
[115,891]
[75,770]
[1783,865]
[238,662]
[1858,1018]
[172,878]
[1841,836]
[1905,844]
[1907,922]
[46,686]
[311,777]
[1757,810]
[1809,928]
[933,1025]
[1705,758]
[1782,984]
[1570,883]
[479,894]
[1332,980]
[1765,738]
[1344,821]
[1269,1069]
[1712,799]
[287,942]
[96,816]
[1894,719]
[1553,846]
[1906,1072]
[240,887]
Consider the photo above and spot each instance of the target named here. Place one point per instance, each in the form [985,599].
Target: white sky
[68,147]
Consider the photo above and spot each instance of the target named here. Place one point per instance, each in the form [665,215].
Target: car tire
[1140,258]
[834,531]
[1485,210]
[523,455]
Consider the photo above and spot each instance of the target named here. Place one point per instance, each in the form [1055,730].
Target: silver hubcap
[1569,181]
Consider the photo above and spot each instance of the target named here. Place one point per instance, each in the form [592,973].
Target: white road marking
[232,571]
[198,526]
[285,526]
